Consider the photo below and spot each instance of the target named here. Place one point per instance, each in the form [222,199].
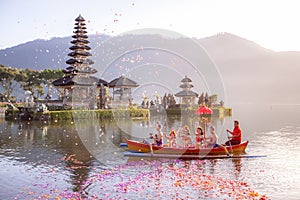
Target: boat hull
[135,146]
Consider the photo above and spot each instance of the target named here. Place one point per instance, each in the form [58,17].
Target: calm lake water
[82,159]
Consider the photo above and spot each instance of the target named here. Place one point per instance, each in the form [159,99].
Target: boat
[189,156]
[140,147]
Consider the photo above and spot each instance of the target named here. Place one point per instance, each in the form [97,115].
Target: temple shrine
[78,87]
[187,96]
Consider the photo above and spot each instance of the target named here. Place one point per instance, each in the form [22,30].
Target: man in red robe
[236,137]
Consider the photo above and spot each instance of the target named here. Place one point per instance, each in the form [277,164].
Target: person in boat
[185,136]
[212,140]
[171,138]
[236,137]
[199,137]
[158,137]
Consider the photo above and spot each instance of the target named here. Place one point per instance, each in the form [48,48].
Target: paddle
[164,126]
[229,142]
[151,149]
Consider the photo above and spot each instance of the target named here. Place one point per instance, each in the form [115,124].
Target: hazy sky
[272,24]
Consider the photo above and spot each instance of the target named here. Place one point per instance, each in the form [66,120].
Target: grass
[98,114]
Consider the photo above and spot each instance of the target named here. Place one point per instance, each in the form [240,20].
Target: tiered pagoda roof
[79,56]
[79,62]
[72,79]
[186,88]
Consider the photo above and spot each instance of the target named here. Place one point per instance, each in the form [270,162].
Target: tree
[206,100]
[213,98]
[32,82]
[48,76]
[201,99]
[8,80]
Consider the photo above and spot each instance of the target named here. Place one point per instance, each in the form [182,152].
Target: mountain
[253,73]
[249,72]
[42,54]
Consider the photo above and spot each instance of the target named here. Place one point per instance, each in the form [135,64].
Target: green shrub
[99,114]
[139,113]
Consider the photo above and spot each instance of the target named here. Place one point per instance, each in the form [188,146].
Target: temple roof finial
[79,18]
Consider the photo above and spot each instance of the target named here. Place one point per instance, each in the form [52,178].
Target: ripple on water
[279,177]
[164,179]
[42,167]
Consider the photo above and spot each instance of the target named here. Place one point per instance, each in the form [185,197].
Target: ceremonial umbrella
[203,110]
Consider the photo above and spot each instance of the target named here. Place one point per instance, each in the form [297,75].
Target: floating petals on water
[149,179]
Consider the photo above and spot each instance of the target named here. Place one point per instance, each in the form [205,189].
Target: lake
[82,159]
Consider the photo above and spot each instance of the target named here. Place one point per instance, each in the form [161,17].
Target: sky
[273,24]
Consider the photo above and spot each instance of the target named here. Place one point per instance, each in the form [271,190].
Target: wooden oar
[229,142]
[151,149]
[164,125]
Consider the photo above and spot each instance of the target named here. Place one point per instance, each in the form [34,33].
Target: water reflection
[92,134]
[212,165]
[237,163]
[73,151]
[37,144]
[75,148]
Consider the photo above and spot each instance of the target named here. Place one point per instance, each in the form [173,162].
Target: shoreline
[27,114]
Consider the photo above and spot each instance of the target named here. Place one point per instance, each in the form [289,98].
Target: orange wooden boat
[135,146]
